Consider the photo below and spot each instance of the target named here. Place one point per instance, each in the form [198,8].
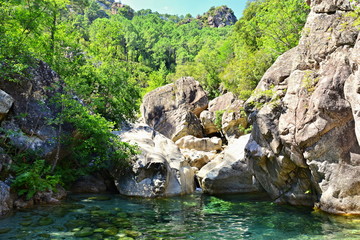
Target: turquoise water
[189,217]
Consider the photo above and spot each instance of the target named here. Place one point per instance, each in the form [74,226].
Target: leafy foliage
[34,177]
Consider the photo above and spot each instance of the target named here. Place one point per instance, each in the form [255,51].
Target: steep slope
[304,148]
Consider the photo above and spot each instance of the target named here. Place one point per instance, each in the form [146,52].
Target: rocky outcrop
[304,148]
[219,17]
[229,172]
[200,144]
[29,122]
[173,109]
[158,170]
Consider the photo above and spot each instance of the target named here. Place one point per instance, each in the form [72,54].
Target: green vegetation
[218,118]
[33,178]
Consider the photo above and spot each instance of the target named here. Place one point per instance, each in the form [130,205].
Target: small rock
[200,144]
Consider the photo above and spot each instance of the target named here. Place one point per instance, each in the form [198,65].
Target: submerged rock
[158,170]
[304,147]
[84,232]
[229,172]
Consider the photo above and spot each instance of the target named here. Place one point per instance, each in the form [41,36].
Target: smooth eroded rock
[158,170]
[229,172]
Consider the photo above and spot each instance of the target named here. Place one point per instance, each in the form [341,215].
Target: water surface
[189,217]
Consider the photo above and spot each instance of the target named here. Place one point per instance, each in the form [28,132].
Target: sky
[182,7]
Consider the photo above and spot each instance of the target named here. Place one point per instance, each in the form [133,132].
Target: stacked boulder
[181,112]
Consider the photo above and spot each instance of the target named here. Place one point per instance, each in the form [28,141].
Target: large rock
[173,109]
[229,172]
[159,169]
[208,120]
[232,117]
[31,124]
[6,102]
[6,202]
[198,158]
[200,144]
[304,148]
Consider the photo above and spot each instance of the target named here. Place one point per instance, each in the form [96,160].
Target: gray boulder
[173,109]
[304,146]
[6,202]
[229,172]
[208,120]
[159,169]
[196,158]
[6,102]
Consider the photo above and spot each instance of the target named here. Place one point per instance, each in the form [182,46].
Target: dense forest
[110,57]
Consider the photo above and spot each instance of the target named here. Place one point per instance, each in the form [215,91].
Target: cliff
[304,148]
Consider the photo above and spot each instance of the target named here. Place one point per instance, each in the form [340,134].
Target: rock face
[233,119]
[5,160]
[220,17]
[89,184]
[33,108]
[229,172]
[304,146]
[173,109]
[159,169]
[6,202]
